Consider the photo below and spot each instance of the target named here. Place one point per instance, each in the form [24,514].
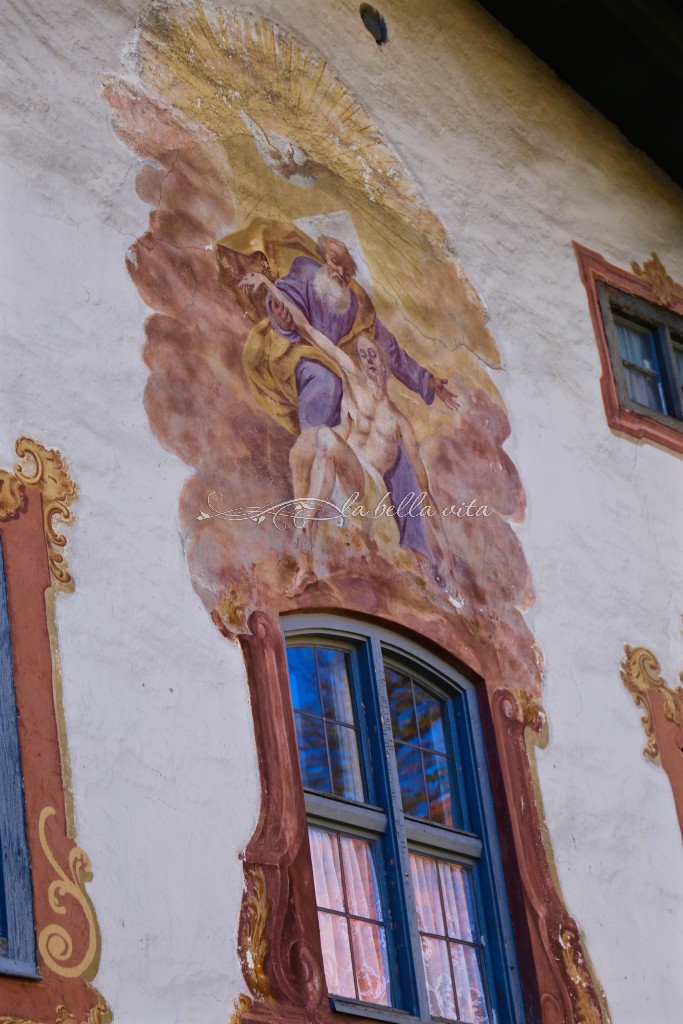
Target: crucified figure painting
[371,431]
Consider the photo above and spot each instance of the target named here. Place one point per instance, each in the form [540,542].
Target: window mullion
[396,824]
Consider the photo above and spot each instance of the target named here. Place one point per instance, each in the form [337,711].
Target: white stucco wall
[164,770]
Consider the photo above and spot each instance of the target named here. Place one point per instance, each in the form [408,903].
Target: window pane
[344,761]
[334,685]
[635,345]
[372,963]
[329,892]
[334,939]
[411,777]
[439,981]
[362,891]
[310,738]
[438,788]
[417,718]
[429,711]
[401,706]
[423,871]
[303,680]
[348,884]
[442,887]
[457,901]
[643,388]
[469,985]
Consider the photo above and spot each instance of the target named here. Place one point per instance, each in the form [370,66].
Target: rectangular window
[17,938]
[412,912]
[646,353]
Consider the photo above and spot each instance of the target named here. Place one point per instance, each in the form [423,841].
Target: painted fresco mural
[316,354]
[319,360]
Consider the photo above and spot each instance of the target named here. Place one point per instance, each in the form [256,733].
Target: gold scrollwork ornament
[640,673]
[100,1014]
[255,943]
[579,976]
[662,284]
[43,470]
[241,1004]
[519,706]
[54,941]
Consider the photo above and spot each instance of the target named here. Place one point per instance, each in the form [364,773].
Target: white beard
[328,285]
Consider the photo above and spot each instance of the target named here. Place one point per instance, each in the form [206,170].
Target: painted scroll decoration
[662,718]
[35,501]
[321,362]
[662,283]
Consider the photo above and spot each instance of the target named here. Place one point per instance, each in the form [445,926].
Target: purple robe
[319,389]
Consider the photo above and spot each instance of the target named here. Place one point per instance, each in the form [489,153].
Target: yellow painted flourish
[255,942]
[54,941]
[43,470]
[579,975]
[640,673]
[662,284]
[100,1014]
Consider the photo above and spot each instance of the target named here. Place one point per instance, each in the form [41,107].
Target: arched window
[409,887]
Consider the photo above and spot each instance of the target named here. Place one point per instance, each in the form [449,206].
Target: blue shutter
[15,887]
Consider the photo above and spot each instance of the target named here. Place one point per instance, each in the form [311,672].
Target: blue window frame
[17,936]
[646,352]
[413,914]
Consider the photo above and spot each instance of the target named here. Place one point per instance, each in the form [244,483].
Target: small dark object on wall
[374,23]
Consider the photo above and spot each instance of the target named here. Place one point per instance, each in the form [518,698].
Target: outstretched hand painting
[347,424]
[316,354]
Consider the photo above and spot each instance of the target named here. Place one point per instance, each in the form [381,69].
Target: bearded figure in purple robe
[294,382]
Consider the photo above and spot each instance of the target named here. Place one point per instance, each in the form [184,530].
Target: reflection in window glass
[424,764]
[352,930]
[326,731]
[451,947]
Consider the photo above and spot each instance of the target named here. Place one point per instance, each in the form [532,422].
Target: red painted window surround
[279,940]
[594,269]
[66,936]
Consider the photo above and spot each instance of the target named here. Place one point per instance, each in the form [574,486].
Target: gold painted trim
[100,1014]
[60,719]
[54,942]
[241,1004]
[256,945]
[662,284]
[45,471]
[640,674]
[579,973]
[519,706]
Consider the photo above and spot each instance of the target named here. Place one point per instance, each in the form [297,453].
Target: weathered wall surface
[156,704]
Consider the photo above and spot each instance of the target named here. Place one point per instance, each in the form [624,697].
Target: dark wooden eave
[623,56]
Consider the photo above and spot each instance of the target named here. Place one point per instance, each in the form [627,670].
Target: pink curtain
[443,902]
[354,951]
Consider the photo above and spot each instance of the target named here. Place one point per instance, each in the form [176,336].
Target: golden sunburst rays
[299,144]
[217,68]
